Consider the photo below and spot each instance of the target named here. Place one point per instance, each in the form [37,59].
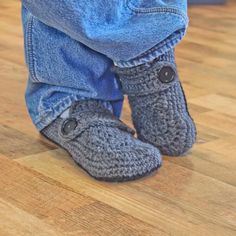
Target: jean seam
[30,48]
[171,10]
[46,113]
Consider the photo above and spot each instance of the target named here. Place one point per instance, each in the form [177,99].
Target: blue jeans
[71,45]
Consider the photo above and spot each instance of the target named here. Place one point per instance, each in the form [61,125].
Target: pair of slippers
[106,148]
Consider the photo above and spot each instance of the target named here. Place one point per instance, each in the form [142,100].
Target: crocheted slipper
[159,109]
[101,144]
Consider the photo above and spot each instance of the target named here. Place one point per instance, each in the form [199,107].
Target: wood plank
[15,144]
[210,163]
[216,102]
[178,200]
[217,121]
[12,223]
[60,207]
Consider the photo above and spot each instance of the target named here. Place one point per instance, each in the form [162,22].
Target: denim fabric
[71,45]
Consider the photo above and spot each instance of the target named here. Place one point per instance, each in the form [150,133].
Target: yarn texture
[101,144]
[159,109]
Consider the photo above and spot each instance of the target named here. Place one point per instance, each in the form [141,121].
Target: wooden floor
[42,191]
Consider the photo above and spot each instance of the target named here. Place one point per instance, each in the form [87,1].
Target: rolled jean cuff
[159,49]
[46,117]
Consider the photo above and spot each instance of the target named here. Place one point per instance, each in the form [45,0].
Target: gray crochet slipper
[101,144]
[159,109]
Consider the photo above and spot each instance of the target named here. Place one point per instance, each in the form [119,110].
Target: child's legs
[63,70]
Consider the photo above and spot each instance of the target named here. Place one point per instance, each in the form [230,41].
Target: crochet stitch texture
[159,109]
[101,144]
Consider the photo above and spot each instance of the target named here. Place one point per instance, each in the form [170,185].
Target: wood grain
[43,192]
